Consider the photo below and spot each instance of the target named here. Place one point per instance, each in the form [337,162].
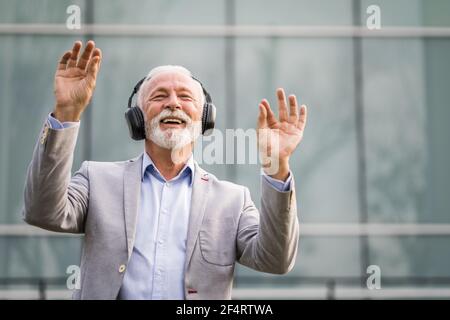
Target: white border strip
[374,229]
[29,294]
[225,31]
[273,293]
[20,230]
[306,229]
[341,293]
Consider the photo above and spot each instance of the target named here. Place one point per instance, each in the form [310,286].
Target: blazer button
[44,134]
[122,268]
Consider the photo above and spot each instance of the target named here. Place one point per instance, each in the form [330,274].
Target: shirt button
[160,241]
[122,268]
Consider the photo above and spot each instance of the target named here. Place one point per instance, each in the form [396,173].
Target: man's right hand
[75,81]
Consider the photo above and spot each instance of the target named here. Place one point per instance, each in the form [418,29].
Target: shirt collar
[148,165]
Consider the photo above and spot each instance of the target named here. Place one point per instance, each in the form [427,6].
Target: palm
[76,76]
[286,135]
[279,138]
[73,86]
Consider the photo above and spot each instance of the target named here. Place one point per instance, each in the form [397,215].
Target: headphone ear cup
[208,118]
[136,123]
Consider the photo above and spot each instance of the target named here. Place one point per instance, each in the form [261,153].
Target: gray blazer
[101,200]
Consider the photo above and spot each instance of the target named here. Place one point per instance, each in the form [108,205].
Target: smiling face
[171,102]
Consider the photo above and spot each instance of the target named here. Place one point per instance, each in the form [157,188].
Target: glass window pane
[324,164]
[27,94]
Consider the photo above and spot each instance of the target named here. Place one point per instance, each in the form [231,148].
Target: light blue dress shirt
[156,266]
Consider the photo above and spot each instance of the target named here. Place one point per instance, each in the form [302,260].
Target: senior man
[159,226]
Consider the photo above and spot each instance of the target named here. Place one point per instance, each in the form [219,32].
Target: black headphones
[135,117]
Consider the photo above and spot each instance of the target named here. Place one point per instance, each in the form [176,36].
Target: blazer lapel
[200,189]
[132,192]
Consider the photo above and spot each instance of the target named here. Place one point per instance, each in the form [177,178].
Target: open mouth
[172,122]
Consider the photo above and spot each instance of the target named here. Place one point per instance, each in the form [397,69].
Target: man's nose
[173,102]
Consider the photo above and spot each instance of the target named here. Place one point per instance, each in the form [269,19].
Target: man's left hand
[277,139]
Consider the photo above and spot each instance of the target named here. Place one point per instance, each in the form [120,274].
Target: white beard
[172,138]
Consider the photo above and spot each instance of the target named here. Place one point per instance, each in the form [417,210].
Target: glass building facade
[372,174]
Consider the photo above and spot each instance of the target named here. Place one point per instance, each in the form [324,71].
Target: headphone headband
[135,90]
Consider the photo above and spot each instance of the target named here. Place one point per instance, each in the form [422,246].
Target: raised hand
[75,80]
[277,139]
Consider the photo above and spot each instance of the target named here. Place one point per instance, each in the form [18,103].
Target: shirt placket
[160,286]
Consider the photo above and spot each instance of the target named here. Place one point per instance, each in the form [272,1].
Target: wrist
[283,170]
[66,115]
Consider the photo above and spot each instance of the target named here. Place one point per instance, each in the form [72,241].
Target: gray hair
[166,68]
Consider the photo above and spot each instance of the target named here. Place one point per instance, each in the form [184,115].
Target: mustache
[168,113]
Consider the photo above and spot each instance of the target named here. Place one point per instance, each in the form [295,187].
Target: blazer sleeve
[54,200]
[267,241]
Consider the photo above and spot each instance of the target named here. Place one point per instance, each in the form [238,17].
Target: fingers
[271,120]
[262,117]
[63,62]
[70,58]
[74,56]
[84,59]
[97,53]
[303,117]
[282,108]
[94,63]
[293,116]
